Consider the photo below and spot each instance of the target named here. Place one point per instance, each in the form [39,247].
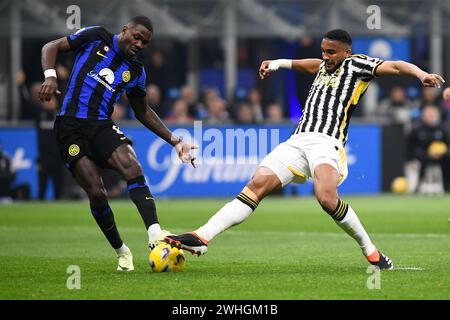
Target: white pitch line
[409,268]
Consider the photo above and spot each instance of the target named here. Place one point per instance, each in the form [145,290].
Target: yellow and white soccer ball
[164,258]
[400,185]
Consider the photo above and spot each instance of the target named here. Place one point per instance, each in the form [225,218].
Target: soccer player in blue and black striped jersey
[106,67]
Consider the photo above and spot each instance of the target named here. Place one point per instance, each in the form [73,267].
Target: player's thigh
[324,150]
[288,163]
[326,180]
[72,139]
[113,149]
[124,160]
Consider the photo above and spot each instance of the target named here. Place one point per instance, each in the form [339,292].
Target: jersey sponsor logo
[74,150]
[105,77]
[126,75]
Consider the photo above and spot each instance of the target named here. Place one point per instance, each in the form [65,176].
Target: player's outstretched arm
[310,66]
[48,59]
[409,69]
[150,119]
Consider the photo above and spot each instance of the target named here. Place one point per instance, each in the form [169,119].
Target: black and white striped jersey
[333,97]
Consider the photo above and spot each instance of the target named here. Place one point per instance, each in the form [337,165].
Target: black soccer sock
[105,220]
[242,197]
[143,199]
[340,212]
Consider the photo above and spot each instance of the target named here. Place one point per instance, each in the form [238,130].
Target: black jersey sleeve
[365,66]
[85,36]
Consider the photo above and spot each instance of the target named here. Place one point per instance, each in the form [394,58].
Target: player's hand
[264,69]
[432,80]
[446,94]
[48,89]
[184,152]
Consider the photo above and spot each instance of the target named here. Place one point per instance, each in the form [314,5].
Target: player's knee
[132,170]
[97,196]
[258,185]
[263,182]
[328,200]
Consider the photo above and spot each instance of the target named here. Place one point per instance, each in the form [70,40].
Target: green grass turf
[288,249]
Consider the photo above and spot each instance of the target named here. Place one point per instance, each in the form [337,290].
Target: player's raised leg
[124,159]
[233,213]
[87,175]
[326,180]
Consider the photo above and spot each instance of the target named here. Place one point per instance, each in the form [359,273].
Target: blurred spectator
[7,176]
[49,162]
[187,95]
[216,111]
[158,71]
[245,114]
[179,113]
[446,100]
[446,94]
[430,96]
[27,110]
[428,145]
[154,100]
[308,48]
[397,107]
[254,100]
[274,114]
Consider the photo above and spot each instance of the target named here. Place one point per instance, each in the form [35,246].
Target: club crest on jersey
[74,149]
[126,75]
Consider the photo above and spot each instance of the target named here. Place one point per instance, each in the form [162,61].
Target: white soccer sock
[154,231]
[231,214]
[122,249]
[353,227]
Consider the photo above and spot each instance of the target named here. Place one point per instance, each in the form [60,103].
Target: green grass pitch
[287,249]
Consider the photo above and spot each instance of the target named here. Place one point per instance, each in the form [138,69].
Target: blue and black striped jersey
[100,75]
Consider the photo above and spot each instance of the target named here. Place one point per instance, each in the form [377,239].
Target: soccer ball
[399,185]
[164,258]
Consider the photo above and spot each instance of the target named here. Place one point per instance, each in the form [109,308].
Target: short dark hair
[339,35]
[144,21]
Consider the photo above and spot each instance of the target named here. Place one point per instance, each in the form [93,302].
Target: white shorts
[295,159]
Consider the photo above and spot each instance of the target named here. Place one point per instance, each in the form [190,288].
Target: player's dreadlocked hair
[142,20]
[339,35]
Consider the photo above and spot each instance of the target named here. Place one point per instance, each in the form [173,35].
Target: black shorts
[96,139]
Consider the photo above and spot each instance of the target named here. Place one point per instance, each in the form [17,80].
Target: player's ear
[348,52]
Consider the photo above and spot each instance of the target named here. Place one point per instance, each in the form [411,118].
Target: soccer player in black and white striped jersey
[316,149]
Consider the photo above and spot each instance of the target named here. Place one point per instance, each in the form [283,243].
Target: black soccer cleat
[188,241]
[381,261]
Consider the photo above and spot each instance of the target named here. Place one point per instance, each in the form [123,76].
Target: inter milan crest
[126,76]
[74,150]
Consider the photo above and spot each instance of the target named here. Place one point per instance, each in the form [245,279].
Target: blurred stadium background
[202,65]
